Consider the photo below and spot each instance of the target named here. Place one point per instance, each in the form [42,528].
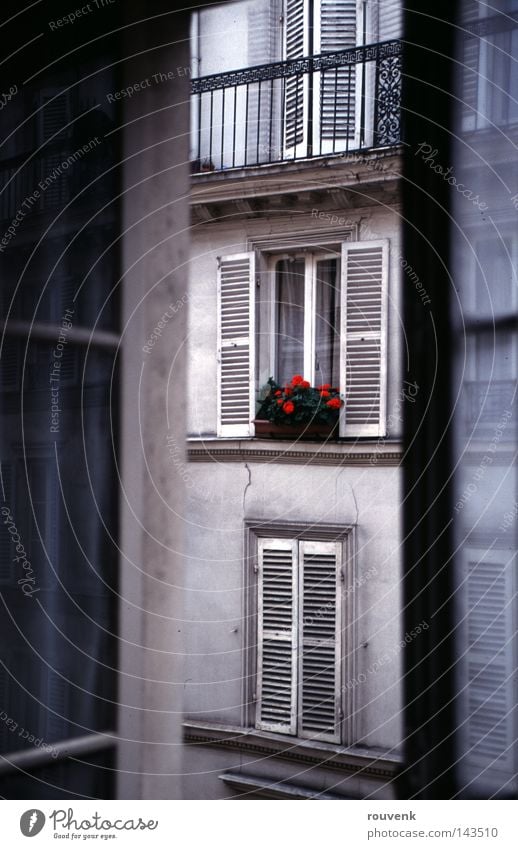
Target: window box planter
[302,430]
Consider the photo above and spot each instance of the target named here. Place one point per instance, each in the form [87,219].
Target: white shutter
[320,630]
[6,545]
[470,68]
[363,366]
[277,636]
[334,110]
[490,663]
[390,20]
[296,89]
[236,344]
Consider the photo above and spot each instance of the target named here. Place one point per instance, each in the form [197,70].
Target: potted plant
[298,409]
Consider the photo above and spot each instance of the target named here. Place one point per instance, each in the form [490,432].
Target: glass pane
[57,214]
[58,552]
[86,777]
[290,318]
[485,508]
[327,323]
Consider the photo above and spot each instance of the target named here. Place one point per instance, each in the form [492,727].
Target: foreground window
[58,423]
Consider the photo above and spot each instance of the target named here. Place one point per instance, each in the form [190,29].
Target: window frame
[345,536]
[311,258]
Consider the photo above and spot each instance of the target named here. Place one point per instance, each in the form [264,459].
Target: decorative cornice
[308,455]
[354,760]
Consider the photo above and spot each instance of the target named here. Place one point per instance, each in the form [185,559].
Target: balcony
[333,103]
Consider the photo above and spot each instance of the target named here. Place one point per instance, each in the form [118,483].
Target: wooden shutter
[363,366]
[7,737]
[296,90]
[6,545]
[236,345]
[470,68]
[390,20]
[54,115]
[58,708]
[335,105]
[320,630]
[10,364]
[277,635]
[53,119]
[490,662]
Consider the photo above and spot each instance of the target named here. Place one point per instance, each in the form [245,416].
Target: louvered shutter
[363,366]
[334,111]
[277,636]
[490,663]
[295,95]
[6,545]
[390,20]
[470,68]
[320,628]
[236,344]
[54,117]
[57,704]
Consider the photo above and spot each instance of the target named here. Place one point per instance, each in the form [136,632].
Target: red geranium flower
[296,379]
[305,384]
[288,390]
[288,407]
[325,386]
[278,392]
[324,393]
[280,401]
[334,403]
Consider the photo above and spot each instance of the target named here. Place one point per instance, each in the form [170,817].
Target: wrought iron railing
[342,102]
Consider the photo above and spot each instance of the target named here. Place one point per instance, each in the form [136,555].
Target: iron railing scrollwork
[256,116]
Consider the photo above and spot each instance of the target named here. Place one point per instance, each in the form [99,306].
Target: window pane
[58,554]
[327,347]
[290,318]
[485,506]
[86,777]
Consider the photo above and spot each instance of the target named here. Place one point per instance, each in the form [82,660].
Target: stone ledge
[367,763]
[307,453]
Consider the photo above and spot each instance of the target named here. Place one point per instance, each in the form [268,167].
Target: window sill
[371,763]
[344,452]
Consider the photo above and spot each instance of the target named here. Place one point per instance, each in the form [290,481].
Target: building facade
[293,637]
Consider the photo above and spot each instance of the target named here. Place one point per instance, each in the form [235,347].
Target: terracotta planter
[266,429]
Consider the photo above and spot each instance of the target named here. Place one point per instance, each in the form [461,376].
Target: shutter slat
[319,638]
[57,702]
[337,30]
[489,629]
[363,332]
[277,636]
[236,277]
[295,94]
[6,546]
[390,20]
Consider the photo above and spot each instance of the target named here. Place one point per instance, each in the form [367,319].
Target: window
[489,71]
[323,315]
[307,318]
[460,483]
[305,637]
